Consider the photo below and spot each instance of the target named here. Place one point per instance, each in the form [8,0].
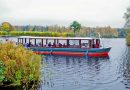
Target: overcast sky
[63,12]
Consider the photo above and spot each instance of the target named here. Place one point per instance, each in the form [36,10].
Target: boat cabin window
[95,43]
[73,43]
[50,42]
[84,44]
[38,42]
[56,43]
[62,43]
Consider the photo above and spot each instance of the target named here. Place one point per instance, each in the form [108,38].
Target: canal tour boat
[67,46]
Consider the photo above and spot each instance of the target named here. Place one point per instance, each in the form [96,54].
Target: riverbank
[19,67]
[36,33]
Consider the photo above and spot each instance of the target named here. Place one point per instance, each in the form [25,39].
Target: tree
[34,28]
[75,26]
[6,27]
[127,18]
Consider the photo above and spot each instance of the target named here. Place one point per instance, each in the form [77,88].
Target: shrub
[36,33]
[128,39]
[18,66]
[65,34]
[2,33]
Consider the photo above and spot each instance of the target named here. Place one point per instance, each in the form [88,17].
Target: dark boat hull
[93,52]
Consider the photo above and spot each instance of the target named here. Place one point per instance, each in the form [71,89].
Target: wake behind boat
[67,46]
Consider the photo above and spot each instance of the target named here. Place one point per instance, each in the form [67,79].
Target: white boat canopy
[63,38]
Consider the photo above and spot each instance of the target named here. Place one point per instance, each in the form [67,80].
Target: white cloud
[42,12]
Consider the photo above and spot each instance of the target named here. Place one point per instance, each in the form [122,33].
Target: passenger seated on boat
[84,45]
[49,44]
[73,45]
[68,45]
[97,45]
[60,45]
[25,45]
[30,44]
[54,44]
[36,45]
[93,46]
[39,44]
[64,45]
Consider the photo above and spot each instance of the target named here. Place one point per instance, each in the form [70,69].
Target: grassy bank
[19,67]
[36,33]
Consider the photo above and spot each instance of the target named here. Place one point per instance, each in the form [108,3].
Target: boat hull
[77,54]
[93,52]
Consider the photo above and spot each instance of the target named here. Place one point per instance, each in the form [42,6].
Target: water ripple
[77,73]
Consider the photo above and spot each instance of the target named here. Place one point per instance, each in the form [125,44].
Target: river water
[79,73]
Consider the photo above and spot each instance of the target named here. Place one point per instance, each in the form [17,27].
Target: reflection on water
[126,69]
[65,72]
[77,73]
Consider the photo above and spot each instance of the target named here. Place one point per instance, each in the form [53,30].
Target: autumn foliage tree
[6,26]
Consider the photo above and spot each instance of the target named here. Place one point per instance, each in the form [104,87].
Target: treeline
[55,30]
[106,32]
[7,29]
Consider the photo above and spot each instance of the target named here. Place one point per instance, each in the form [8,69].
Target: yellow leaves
[43,34]
[64,34]
[6,27]
[22,60]
[55,34]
